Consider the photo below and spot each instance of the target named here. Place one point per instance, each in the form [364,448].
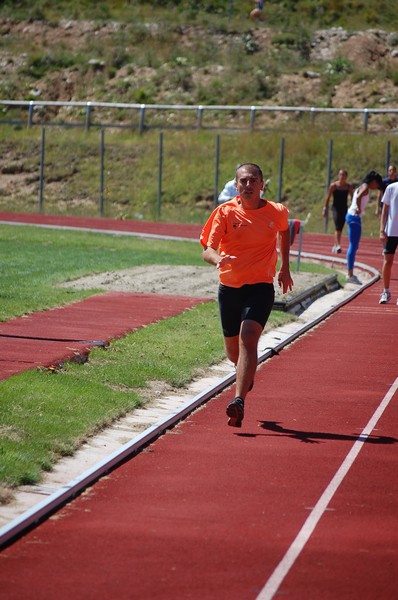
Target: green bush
[39,63]
[339,66]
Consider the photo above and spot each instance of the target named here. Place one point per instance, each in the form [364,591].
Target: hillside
[114,62]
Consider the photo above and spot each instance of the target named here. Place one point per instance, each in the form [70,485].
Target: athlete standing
[340,190]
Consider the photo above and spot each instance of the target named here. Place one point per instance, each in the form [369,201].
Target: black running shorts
[390,245]
[339,217]
[252,301]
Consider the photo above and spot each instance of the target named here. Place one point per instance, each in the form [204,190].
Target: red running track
[50,337]
[299,503]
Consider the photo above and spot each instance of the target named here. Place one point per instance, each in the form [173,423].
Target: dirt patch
[175,280]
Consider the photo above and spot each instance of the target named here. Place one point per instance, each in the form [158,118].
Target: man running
[239,239]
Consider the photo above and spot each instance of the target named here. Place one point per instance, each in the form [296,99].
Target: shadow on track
[316,437]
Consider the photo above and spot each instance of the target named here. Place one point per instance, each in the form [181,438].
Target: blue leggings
[354,235]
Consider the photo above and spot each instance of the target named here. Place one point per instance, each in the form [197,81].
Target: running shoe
[334,249]
[353,279]
[338,249]
[235,412]
[385,297]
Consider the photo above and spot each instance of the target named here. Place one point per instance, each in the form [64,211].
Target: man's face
[392,173]
[248,183]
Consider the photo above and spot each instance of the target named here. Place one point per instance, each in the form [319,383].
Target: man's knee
[388,260]
[250,333]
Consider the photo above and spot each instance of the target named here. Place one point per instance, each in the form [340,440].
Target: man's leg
[386,270]
[250,333]
[255,306]
[242,351]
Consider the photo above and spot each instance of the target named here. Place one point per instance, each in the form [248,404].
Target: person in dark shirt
[340,190]
[391,178]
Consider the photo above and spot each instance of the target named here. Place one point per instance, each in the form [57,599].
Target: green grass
[72,171]
[47,257]
[291,14]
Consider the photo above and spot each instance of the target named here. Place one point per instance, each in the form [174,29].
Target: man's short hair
[254,166]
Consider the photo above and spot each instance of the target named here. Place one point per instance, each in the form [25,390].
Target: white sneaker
[353,279]
[334,249]
[338,249]
[385,297]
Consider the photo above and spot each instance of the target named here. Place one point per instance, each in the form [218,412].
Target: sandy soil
[181,280]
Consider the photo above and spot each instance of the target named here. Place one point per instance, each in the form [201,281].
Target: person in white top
[389,236]
[372,181]
[228,192]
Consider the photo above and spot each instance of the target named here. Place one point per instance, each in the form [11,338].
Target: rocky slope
[339,69]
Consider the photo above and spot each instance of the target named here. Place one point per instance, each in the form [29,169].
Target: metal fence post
[30,113]
[328,178]
[365,119]
[217,165]
[252,117]
[41,182]
[230,9]
[160,175]
[200,116]
[88,116]
[300,245]
[142,118]
[388,155]
[281,159]
[102,155]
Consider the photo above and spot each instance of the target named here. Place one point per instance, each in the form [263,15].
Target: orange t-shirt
[250,235]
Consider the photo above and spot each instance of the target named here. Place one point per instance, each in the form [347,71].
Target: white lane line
[274,582]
